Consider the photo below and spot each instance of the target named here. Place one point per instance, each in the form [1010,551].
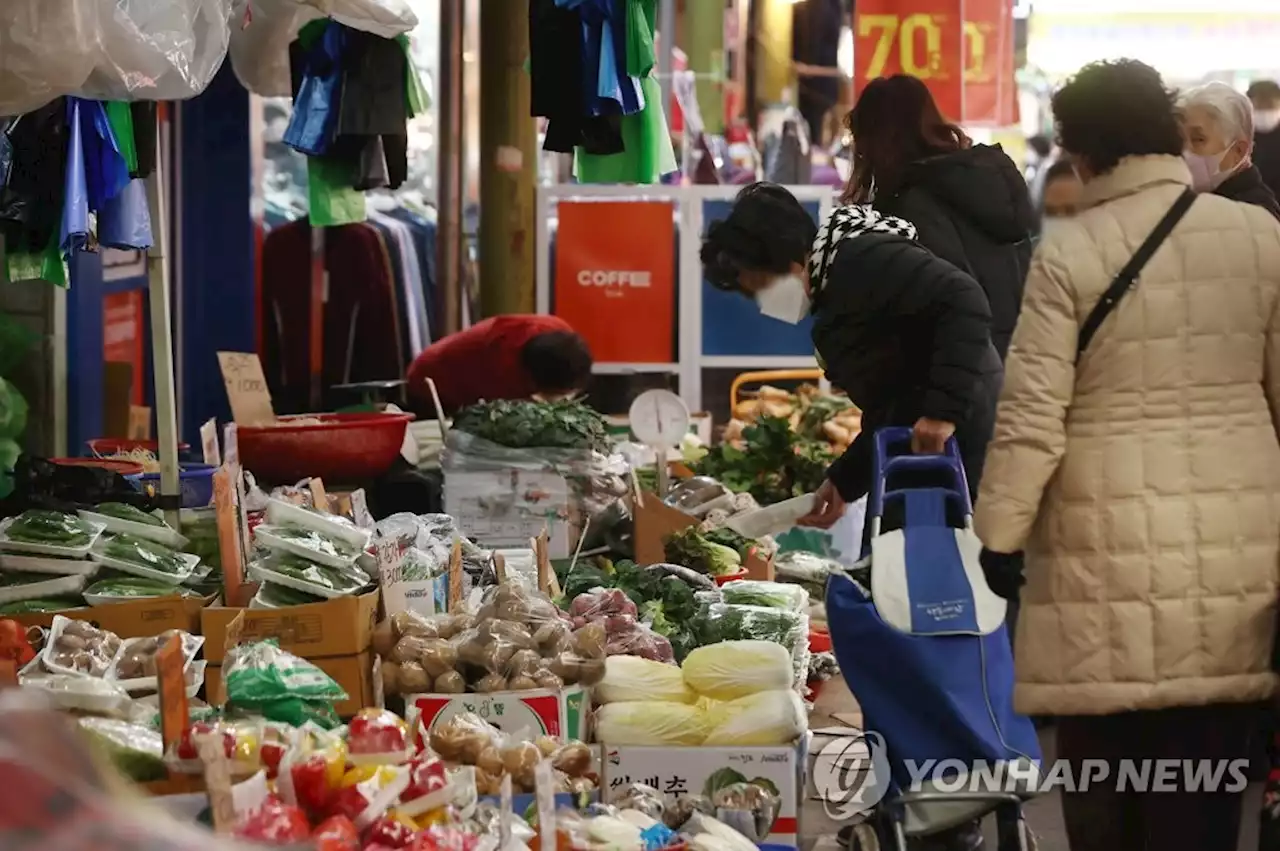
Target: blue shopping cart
[922,642]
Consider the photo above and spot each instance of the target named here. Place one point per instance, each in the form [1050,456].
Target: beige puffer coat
[1144,485]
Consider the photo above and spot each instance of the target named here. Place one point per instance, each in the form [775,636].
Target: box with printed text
[533,713]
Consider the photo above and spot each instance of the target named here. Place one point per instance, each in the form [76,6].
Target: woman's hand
[828,507]
[929,437]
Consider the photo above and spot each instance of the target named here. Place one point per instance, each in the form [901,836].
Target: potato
[514,633]
[490,761]
[488,784]
[521,683]
[566,666]
[521,758]
[450,682]
[549,634]
[589,642]
[474,742]
[523,663]
[490,683]
[547,744]
[573,759]
[437,656]
[408,649]
[391,678]
[413,624]
[548,680]
[451,625]
[591,672]
[413,678]
[384,639]
[448,740]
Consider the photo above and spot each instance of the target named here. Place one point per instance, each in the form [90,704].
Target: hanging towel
[125,221]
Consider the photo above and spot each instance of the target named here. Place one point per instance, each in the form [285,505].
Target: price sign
[390,574]
[545,794]
[139,423]
[923,38]
[990,91]
[209,443]
[319,496]
[246,388]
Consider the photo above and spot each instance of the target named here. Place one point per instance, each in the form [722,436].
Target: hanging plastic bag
[124,222]
[260,50]
[158,49]
[46,50]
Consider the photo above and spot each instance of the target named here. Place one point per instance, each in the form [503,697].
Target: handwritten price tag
[139,422]
[360,509]
[246,388]
[391,575]
[209,443]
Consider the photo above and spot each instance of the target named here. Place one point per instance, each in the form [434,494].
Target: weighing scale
[660,419]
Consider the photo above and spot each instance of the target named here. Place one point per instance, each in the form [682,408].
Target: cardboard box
[682,771]
[134,618]
[341,627]
[538,712]
[353,673]
[655,520]
[504,508]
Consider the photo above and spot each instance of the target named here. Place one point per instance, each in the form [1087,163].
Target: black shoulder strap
[1124,281]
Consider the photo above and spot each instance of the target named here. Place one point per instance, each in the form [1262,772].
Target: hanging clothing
[145,135]
[31,199]
[560,85]
[815,40]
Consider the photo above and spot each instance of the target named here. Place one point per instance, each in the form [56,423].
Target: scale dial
[659,418]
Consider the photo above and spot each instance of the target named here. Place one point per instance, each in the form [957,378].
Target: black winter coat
[906,335]
[1266,156]
[972,208]
[1247,187]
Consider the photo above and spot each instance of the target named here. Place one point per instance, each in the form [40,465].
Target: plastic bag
[150,50]
[633,678]
[625,636]
[767,718]
[646,722]
[136,751]
[46,50]
[733,669]
[599,603]
[81,694]
[280,686]
[776,595]
[703,832]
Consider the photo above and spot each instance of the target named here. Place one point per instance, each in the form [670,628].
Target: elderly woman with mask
[1217,127]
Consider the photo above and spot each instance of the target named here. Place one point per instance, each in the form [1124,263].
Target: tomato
[272,753]
[426,775]
[377,731]
[349,801]
[391,833]
[14,644]
[337,833]
[277,823]
[311,787]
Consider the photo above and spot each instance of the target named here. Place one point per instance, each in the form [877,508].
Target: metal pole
[667,34]
[449,138]
[162,342]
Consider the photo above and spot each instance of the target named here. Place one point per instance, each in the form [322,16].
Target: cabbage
[733,669]
[767,718]
[651,722]
[634,678]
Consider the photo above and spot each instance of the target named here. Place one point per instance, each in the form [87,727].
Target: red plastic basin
[341,448]
[124,468]
[819,641]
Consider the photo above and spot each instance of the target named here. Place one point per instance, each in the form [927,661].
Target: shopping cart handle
[887,437]
[889,457]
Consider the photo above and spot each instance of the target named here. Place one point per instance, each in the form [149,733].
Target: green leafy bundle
[667,602]
[689,547]
[776,465]
[522,424]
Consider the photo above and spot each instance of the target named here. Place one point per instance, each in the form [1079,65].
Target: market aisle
[1043,814]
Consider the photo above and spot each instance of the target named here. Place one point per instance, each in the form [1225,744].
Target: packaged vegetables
[309,544]
[691,548]
[15,587]
[148,559]
[48,533]
[469,740]
[116,589]
[121,518]
[279,686]
[299,574]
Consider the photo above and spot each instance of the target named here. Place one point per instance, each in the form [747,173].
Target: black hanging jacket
[906,335]
[972,208]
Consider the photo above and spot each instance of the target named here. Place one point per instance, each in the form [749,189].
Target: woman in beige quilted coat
[1143,482]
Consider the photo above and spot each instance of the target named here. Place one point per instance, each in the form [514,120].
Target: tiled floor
[1044,815]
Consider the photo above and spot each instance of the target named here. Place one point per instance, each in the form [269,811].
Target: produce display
[692,548]
[307,552]
[50,528]
[517,641]
[138,553]
[467,739]
[769,461]
[662,594]
[541,425]
[809,412]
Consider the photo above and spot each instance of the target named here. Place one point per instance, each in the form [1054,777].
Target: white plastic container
[265,574]
[280,512]
[6,543]
[160,534]
[146,572]
[51,587]
[265,536]
[16,563]
[191,645]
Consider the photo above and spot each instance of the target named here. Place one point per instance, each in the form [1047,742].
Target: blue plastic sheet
[75,201]
[124,221]
[96,170]
[315,110]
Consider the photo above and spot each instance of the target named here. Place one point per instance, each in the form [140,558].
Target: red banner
[615,278]
[923,38]
[962,49]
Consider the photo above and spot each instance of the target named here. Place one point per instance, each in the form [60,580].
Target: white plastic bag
[260,51]
[633,678]
[768,718]
[47,49]
[732,669]
[158,49]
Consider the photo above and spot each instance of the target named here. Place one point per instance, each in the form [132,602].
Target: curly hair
[1112,110]
[766,231]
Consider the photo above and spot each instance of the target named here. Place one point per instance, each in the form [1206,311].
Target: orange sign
[122,336]
[923,38]
[615,278]
[990,91]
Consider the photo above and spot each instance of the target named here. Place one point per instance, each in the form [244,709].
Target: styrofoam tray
[199,574]
[258,572]
[16,563]
[47,653]
[280,511]
[110,599]
[51,587]
[195,672]
[263,536]
[160,534]
[96,530]
[147,573]
[191,646]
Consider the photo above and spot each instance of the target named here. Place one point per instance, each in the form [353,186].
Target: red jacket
[482,362]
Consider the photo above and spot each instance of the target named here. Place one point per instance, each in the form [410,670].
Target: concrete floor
[1044,814]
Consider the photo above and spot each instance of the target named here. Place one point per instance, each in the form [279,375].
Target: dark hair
[1059,169]
[895,123]
[1112,110]
[766,231]
[557,361]
[1266,91]
[1041,145]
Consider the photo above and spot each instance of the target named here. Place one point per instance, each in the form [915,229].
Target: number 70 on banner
[918,39]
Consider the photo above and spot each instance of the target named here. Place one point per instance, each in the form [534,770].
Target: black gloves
[1003,572]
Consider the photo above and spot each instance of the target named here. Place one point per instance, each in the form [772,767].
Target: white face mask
[785,299]
[1266,120]
[1206,170]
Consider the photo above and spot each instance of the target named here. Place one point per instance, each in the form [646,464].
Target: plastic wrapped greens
[279,686]
[807,570]
[774,595]
[733,622]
